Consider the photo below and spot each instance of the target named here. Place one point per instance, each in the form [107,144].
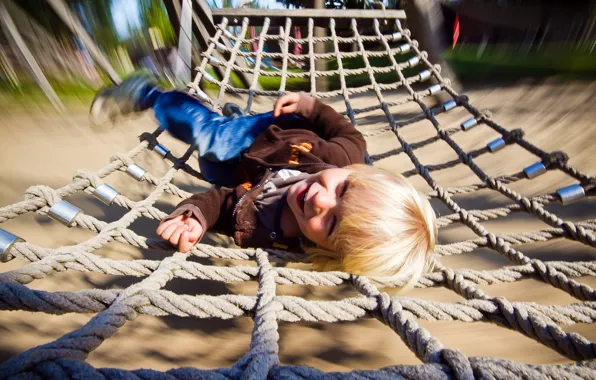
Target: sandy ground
[41,147]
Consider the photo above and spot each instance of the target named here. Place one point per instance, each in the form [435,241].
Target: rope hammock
[64,357]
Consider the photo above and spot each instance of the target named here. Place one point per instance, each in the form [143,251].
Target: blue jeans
[220,140]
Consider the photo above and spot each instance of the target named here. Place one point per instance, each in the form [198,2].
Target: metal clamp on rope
[201,94]
[214,59]
[413,61]
[208,77]
[161,150]
[424,75]
[105,193]
[469,124]
[404,48]
[64,212]
[449,105]
[535,170]
[434,89]
[571,194]
[396,36]
[497,144]
[7,240]
[136,172]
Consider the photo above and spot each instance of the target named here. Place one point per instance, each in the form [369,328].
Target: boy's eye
[344,188]
[332,226]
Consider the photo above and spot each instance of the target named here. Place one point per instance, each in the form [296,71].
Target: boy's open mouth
[301,198]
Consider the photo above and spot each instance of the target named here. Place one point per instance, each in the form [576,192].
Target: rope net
[64,357]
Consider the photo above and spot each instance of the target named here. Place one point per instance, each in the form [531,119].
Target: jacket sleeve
[211,208]
[344,145]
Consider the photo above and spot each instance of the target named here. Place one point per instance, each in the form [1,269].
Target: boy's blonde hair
[387,229]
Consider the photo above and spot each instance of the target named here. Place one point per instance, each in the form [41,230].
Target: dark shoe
[125,99]
[232,110]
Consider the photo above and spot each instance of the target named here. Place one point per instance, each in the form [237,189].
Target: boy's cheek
[314,227]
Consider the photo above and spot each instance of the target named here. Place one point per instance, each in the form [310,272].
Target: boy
[298,183]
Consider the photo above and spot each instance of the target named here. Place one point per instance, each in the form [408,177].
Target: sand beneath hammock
[41,147]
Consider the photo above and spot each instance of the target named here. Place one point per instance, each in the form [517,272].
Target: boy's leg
[220,139]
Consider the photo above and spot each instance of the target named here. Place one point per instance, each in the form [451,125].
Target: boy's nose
[324,201]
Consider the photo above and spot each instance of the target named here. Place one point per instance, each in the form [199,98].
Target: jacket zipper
[265,177]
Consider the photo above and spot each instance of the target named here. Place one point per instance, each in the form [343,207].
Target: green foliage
[29,95]
[154,15]
[511,61]
[303,84]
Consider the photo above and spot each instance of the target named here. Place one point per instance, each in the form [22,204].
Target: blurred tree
[95,15]
[154,15]
[44,16]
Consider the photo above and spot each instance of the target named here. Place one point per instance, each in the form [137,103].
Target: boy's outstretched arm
[187,224]
[344,144]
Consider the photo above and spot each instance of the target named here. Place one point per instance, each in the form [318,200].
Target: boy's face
[316,204]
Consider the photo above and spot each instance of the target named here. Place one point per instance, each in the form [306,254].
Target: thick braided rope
[35,204]
[259,57]
[63,357]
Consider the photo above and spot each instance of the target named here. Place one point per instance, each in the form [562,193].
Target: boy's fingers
[167,233]
[277,107]
[175,238]
[185,244]
[164,224]
[289,99]
[195,233]
[290,109]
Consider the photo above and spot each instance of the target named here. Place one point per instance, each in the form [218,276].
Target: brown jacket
[325,139]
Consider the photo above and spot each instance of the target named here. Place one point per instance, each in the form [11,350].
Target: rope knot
[90,178]
[45,193]
[438,68]
[485,115]
[555,158]
[589,185]
[364,286]
[513,136]
[462,99]
[459,364]
[507,310]
[449,276]
[428,113]
[150,138]
[424,55]
[123,159]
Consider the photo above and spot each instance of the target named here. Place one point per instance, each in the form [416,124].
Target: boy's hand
[287,104]
[182,232]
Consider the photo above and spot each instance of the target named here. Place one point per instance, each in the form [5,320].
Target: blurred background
[479,39]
